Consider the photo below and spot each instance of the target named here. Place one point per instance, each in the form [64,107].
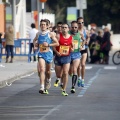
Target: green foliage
[100,12]
[59,8]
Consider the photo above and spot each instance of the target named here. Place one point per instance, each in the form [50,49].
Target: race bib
[43,48]
[75,44]
[64,50]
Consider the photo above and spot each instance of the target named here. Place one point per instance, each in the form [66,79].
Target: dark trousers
[9,49]
[31,48]
[106,56]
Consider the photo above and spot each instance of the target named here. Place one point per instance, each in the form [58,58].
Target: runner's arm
[54,48]
[88,37]
[55,41]
[72,48]
[35,39]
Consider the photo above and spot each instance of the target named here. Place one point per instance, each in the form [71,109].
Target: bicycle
[116,58]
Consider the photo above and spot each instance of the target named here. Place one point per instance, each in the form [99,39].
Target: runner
[58,75]
[45,55]
[75,55]
[85,37]
[63,58]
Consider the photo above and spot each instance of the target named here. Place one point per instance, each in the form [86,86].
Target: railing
[21,48]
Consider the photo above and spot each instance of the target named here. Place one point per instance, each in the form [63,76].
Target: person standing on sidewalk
[85,37]
[32,34]
[106,45]
[62,57]
[46,40]
[9,41]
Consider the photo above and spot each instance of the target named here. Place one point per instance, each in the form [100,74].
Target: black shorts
[83,51]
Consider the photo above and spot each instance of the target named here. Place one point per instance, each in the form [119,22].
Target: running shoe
[56,83]
[41,91]
[64,93]
[48,84]
[46,91]
[82,83]
[79,83]
[73,90]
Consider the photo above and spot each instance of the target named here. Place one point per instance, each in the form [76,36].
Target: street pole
[81,9]
[38,9]
[14,16]
[42,9]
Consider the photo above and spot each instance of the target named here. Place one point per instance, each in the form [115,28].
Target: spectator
[100,40]
[9,41]
[92,43]
[96,53]
[32,34]
[106,45]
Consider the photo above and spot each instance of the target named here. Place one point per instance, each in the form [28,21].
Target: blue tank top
[44,38]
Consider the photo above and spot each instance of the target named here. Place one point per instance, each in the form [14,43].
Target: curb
[9,81]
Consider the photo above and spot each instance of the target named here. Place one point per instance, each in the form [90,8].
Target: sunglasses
[64,27]
[81,23]
[75,27]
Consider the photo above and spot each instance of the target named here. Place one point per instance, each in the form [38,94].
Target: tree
[100,12]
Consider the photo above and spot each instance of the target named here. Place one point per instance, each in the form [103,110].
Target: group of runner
[70,53]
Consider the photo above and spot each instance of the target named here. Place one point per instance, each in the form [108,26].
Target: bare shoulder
[52,34]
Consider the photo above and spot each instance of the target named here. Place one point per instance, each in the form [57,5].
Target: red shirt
[64,45]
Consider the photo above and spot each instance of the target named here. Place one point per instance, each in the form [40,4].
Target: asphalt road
[98,100]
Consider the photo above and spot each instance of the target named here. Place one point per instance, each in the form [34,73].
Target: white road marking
[82,92]
[21,114]
[50,112]
[110,68]
[88,67]
[80,95]
[6,107]
[2,65]
[28,110]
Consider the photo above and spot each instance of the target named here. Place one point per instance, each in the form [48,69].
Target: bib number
[43,48]
[64,50]
[75,44]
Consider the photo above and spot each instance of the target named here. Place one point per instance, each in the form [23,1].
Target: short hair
[45,20]
[65,24]
[79,18]
[74,22]
[59,23]
[32,25]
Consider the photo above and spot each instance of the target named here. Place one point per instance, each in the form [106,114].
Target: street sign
[81,4]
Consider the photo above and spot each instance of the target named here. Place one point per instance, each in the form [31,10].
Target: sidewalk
[9,72]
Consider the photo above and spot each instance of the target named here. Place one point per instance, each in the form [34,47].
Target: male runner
[46,40]
[63,58]
[75,55]
[85,37]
